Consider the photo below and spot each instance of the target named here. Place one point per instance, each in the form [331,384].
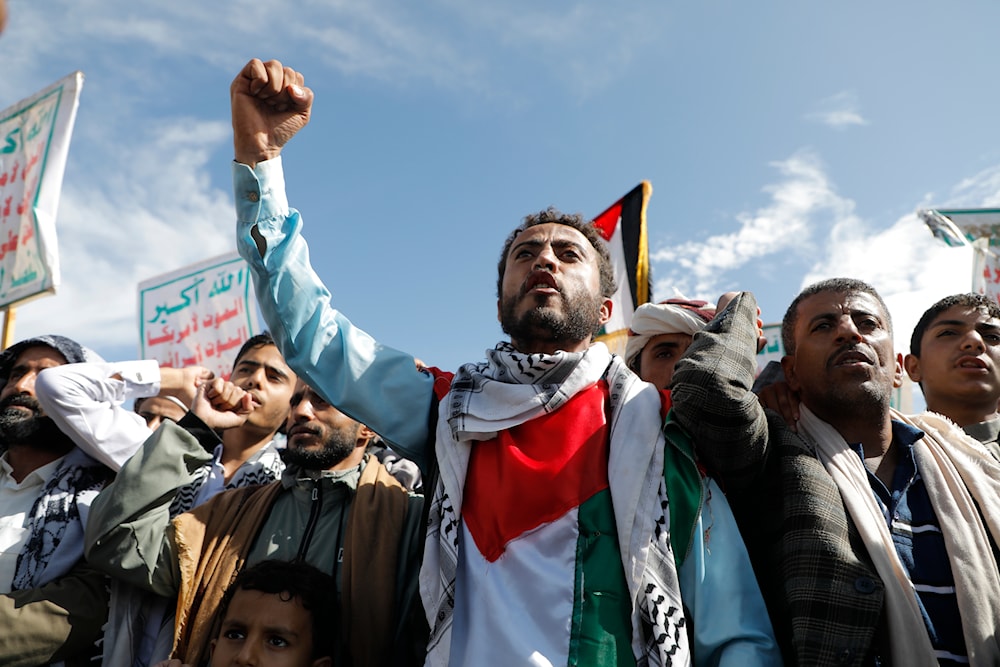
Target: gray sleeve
[128,532]
[712,397]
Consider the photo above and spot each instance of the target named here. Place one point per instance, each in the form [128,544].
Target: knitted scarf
[55,525]
[510,388]
[963,483]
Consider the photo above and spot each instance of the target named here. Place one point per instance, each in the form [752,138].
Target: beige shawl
[963,482]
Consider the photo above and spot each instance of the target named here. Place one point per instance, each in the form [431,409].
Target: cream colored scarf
[959,475]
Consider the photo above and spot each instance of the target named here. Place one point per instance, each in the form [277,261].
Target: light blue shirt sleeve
[731,623]
[372,383]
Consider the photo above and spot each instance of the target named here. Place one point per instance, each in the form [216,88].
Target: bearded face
[22,423]
[334,446]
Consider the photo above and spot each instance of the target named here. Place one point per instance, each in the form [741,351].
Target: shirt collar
[36,477]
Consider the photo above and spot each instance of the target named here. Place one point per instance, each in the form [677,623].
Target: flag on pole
[623,226]
[978,228]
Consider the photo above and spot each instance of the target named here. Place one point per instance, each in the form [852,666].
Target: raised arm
[86,403]
[374,384]
[712,399]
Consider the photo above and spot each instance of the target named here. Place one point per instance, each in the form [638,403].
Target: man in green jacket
[334,507]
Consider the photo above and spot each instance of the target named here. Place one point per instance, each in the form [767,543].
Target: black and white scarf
[510,388]
[55,525]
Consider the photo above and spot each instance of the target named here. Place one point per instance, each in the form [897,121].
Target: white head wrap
[674,316]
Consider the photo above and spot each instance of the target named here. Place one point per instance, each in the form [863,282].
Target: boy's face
[264,630]
[959,357]
[658,358]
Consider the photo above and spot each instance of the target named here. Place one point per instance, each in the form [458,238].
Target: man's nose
[546,258]
[848,330]
[973,340]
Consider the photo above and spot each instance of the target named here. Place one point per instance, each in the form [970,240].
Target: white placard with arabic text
[34,142]
[199,315]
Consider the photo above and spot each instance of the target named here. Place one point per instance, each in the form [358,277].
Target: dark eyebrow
[256,364]
[823,317]
[559,244]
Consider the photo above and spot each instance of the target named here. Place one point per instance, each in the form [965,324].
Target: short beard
[21,428]
[581,320]
[337,447]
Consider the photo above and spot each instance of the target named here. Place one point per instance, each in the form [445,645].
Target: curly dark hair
[577,222]
[837,285]
[315,590]
[969,300]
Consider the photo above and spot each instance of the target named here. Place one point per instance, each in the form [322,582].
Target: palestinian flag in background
[623,226]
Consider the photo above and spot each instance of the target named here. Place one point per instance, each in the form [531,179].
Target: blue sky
[785,142]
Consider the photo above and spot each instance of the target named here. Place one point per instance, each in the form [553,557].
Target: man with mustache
[86,402]
[872,533]
[335,507]
[52,604]
[561,530]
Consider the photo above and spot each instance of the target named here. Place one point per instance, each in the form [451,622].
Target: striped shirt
[916,533]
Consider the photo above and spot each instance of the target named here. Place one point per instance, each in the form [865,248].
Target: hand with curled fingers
[724,301]
[269,105]
[221,404]
[182,383]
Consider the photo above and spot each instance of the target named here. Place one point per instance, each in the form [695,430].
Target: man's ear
[788,366]
[912,366]
[365,436]
[499,307]
[606,306]
[897,376]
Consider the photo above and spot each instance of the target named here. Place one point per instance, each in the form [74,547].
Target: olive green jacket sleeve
[129,534]
[58,621]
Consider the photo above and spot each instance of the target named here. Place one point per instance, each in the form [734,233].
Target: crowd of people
[337,502]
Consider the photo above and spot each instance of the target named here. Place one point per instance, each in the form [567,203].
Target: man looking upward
[549,453]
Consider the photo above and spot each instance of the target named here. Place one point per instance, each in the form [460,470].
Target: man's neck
[964,413]
[25,459]
[238,446]
[873,431]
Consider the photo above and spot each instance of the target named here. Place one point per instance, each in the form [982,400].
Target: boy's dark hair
[970,300]
[260,340]
[315,590]
[837,285]
[576,221]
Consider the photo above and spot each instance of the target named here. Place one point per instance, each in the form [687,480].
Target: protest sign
[34,142]
[198,315]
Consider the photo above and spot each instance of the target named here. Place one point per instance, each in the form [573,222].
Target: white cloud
[839,111]
[138,211]
[799,203]
[456,46]
[806,216]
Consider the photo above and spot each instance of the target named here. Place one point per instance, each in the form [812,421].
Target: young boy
[277,614]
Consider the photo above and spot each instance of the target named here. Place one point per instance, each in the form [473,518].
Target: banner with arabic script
[199,315]
[34,142]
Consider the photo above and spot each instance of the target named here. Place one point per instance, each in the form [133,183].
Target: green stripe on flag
[602,612]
